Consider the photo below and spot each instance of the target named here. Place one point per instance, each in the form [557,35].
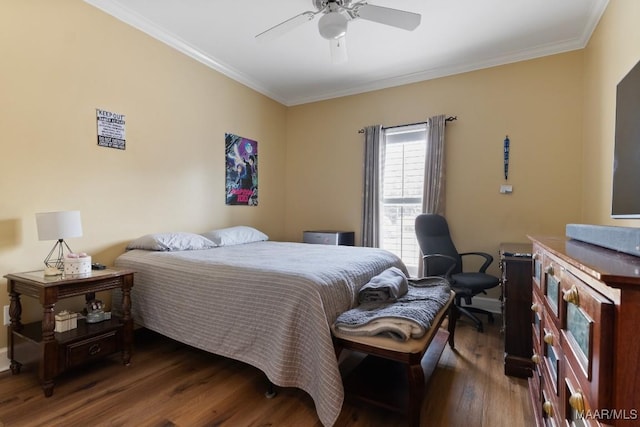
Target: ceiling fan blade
[338,50]
[385,15]
[284,27]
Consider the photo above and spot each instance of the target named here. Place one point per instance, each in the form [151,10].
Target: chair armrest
[488,259]
[452,260]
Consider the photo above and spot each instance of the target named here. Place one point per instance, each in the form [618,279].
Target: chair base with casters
[471,312]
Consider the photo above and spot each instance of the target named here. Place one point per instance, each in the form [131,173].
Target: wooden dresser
[586,353]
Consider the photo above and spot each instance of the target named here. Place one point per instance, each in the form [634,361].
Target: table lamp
[58,226]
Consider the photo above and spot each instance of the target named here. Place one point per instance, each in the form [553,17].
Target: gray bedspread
[269,304]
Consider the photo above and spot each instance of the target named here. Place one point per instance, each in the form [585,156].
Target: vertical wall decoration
[506,157]
[241,168]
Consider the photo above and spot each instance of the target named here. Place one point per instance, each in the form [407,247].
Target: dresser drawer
[536,267]
[92,348]
[552,353]
[552,278]
[577,408]
[587,337]
[537,314]
[550,409]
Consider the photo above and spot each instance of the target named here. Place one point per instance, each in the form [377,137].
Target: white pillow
[235,235]
[179,241]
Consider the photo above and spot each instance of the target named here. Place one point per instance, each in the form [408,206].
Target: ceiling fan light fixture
[333,25]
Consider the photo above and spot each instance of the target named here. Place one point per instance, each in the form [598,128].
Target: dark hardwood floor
[170,384]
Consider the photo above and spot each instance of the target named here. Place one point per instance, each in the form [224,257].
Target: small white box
[80,265]
[65,321]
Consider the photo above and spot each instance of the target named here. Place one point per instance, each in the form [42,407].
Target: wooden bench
[380,380]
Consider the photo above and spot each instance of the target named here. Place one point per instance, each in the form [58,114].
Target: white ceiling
[454,36]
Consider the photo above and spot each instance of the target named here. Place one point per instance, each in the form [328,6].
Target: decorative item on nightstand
[65,321]
[95,311]
[77,264]
[58,226]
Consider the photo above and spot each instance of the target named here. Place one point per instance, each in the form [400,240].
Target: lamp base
[52,271]
[55,259]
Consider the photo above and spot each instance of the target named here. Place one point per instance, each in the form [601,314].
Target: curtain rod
[448,119]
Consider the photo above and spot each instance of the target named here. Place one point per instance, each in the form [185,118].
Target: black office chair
[440,258]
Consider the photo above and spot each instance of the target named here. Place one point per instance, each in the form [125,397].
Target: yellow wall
[537,103]
[613,50]
[60,60]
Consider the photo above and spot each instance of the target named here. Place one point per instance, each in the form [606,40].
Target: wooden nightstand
[56,352]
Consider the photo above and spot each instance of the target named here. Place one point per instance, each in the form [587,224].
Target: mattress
[268,304]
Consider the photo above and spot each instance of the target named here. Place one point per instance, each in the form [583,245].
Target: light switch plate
[506,189]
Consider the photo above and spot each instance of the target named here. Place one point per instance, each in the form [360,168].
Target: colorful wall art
[241,158]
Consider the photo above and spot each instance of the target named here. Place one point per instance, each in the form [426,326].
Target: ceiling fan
[335,16]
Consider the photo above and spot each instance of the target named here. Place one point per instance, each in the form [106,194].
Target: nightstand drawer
[92,348]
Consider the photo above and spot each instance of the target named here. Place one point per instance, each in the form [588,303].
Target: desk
[56,352]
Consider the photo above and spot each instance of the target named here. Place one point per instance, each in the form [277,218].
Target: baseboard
[490,304]
[4,361]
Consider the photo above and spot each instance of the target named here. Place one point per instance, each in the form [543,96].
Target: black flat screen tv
[626,157]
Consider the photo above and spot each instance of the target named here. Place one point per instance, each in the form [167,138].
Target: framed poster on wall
[241,169]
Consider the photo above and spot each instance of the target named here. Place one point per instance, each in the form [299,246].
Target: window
[402,190]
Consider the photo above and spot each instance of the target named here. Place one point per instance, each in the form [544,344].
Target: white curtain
[434,168]
[373,155]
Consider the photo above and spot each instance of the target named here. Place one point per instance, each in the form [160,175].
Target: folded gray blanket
[389,285]
[408,317]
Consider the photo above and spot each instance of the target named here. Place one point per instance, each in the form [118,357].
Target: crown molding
[142,24]
[139,22]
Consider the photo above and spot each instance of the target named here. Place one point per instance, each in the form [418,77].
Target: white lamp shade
[58,225]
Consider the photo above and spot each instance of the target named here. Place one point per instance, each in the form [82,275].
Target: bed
[269,304]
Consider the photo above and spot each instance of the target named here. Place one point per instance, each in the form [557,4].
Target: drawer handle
[571,296]
[547,407]
[576,400]
[548,338]
[549,270]
[535,307]
[535,359]
[94,349]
